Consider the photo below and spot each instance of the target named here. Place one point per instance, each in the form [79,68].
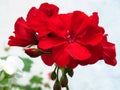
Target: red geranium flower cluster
[67,39]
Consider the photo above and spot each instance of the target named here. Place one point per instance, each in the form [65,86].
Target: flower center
[70,37]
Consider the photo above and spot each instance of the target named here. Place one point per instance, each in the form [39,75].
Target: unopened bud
[64,81]
[57,85]
[70,72]
[53,75]
[33,52]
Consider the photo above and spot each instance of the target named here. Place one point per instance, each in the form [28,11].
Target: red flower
[37,19]
[71,35]
[23,34]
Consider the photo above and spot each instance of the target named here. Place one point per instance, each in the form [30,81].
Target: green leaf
[4,58]
[4,81]
[28,87]
[1,88]
[36,80]
[7,88]
[27,63]
[37,88]
[17,86]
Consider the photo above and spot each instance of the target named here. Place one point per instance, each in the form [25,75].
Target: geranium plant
[63,39]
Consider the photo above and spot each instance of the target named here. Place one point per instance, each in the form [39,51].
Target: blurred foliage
[27,62]
[36,82]
[36,79]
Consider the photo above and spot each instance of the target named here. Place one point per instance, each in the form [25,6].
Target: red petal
[61,57]
[23,34]
[109,53]
[94,18]
[18,42]
[47,59]
[37,21]
[22,29]
[92,36]
[79,22]
[96,54]
[73,64]
[31,14]
[78,52]
[46,43]
[60,24]
[49,9]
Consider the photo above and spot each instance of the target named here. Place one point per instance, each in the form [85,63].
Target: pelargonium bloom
[24,35]
[64,39]
[70,36]
[37,19]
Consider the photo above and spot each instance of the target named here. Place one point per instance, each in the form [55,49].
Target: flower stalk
[67,88]
[61,81]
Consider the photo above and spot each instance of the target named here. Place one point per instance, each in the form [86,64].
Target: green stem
[55,68]
[67,88]
[57,72]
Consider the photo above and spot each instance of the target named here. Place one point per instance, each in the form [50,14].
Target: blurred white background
[94,77]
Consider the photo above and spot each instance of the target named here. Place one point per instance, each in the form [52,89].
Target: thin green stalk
[55,67]
[67,88]
[57,72]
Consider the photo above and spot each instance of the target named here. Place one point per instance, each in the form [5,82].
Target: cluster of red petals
[71,39]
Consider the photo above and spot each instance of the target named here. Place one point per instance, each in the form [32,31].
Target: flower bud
[53,75]
[64,81]
[33,52]
[57,85]
[70,72]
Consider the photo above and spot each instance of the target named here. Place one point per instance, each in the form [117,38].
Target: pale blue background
[95,77]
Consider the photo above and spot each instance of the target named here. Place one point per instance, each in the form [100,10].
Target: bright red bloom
[64,39]
[70,36]
[23,34]
[37,19]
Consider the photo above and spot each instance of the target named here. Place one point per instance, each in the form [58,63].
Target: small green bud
[64,81]
[57,85]
[70,72]
[53,75]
